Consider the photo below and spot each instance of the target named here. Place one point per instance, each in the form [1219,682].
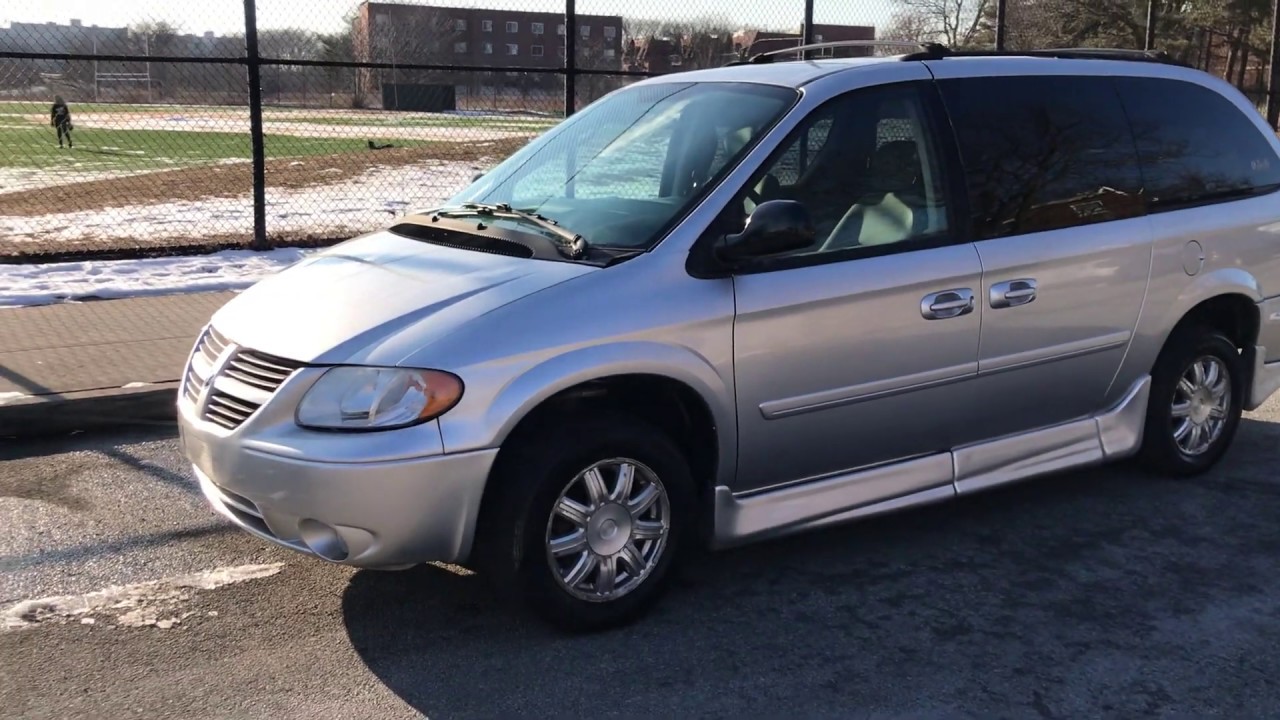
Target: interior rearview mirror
[775,226]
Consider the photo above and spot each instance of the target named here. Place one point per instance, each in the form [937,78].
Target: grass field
[135,137]
[109,149]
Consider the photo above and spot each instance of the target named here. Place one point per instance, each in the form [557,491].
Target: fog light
[323,540]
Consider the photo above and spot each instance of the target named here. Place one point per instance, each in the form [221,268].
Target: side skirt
[844,497]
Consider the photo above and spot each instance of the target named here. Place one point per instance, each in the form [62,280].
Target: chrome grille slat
[226,414]
[219,420]
[268,362]
[230,403]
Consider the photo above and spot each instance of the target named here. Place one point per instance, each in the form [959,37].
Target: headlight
[370,398]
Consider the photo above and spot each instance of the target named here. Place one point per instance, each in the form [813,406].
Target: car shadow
[1034,584]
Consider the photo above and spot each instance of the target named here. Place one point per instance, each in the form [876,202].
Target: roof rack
[767,57]
[939,52]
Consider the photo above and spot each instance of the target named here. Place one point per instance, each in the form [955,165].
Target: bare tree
[955,23]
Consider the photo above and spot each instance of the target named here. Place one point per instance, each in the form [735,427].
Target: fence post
[1002,22]
[255,126]
[1273,82]
[807,31]
[570,56]
[1150,42]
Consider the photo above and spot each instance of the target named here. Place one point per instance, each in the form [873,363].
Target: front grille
[245,382]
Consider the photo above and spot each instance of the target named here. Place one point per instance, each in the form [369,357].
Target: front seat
[891,212]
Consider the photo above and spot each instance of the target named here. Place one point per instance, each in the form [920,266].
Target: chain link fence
[292,122]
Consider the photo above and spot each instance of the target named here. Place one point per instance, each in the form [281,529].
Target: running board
[837,499]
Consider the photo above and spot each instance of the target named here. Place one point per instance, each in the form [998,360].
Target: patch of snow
[352,205]
[8,397]
[23,285]
[126,386]
[142,603]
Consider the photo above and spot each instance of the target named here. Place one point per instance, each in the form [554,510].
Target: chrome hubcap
[608,530]
[1201,403]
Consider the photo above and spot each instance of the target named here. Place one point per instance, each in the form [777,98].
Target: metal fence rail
[280,128]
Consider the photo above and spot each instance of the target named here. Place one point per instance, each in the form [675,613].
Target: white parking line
[153,603]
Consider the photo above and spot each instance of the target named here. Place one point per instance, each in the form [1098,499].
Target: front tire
[586,520]
[1197,394]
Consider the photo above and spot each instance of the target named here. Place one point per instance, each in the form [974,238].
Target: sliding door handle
[1013,293]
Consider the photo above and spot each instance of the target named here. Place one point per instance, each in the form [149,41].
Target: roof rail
[932,49]
[1158,56]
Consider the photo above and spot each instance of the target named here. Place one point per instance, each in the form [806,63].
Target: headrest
[894,167]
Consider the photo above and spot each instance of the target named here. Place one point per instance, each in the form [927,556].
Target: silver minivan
[719,306]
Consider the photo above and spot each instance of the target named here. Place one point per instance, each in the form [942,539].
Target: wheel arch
[671,388]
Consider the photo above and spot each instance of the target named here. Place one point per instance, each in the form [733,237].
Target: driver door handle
[947,304]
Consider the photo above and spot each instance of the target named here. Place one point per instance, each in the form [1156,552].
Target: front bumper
[375,514]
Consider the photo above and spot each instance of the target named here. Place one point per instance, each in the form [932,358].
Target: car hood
[377,298]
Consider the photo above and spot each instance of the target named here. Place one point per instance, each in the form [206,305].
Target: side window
[866,167]
[1043,153]
[1194,144]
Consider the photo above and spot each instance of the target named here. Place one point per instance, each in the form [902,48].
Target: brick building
[418,34]
[750,42]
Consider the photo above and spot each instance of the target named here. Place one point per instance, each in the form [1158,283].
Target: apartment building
[393,32]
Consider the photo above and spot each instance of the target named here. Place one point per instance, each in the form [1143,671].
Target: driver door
[861,348]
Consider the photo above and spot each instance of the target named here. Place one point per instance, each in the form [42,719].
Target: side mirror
[776,226]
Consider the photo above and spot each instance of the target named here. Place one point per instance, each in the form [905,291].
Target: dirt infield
[234,179]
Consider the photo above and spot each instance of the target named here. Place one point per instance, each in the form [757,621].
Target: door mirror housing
[775,226]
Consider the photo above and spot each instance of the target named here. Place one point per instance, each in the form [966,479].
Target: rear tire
[585,520]
[1197,394]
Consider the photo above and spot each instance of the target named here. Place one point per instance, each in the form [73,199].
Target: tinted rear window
[1043,152]
[1195,145]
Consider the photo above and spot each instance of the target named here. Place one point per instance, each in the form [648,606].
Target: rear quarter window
[1195,145]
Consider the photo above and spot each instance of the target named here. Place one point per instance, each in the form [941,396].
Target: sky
[225,16]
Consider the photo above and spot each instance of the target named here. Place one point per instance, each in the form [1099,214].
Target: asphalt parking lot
[1105,593]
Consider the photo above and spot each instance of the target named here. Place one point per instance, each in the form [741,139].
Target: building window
[460,24]
[586,31]
[486,25]
[513,26]
[561,51]
[459,47]
[380,19]
[536,27]
[536,51]
[513,49]
[674,60]
[610,52]
[488,48]
[610,32]
[817,38]
[560,29]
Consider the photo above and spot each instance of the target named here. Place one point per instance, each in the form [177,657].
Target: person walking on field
[60,118]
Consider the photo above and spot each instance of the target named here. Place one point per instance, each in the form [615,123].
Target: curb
[45,415]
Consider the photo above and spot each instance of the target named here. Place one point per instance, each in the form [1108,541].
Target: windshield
[620,172]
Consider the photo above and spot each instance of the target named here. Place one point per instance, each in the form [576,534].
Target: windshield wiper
[571,244]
